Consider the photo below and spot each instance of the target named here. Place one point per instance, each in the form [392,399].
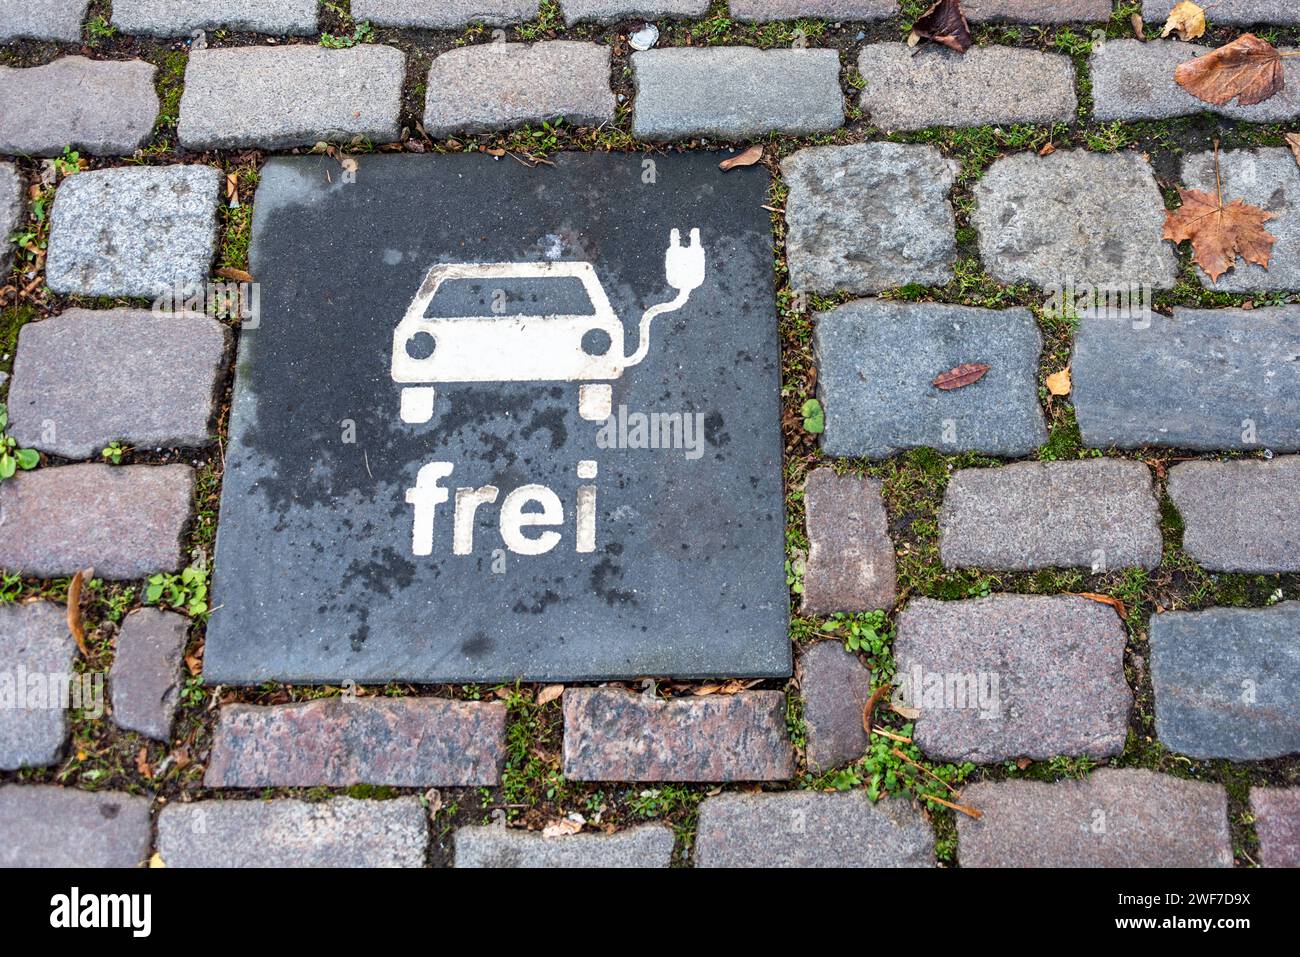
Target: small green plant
[113,452]
[11,587]
[98,28]
[12,458]
[867,632]
[68,163]
[362,32]
[814,417]
[187,591]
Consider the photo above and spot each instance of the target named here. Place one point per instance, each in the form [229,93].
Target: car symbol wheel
[421,345]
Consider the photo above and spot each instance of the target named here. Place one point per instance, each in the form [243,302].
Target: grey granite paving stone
[811,829]
[1227,681]
[103,107]
[1240,516]
[1037,11]
[126,522]
[443,14]
[616,735]
[869,217]
[42,20]
[404,742]
[495,86]
[145,681]
[1238,12]
[735,92]
[1134,80]
[34,640]
[277,97]
[1115,817]
[877,362]
[851,564]
[338,833]
[752,11]
[1013,676]
[86,378]
[13,210]
[650,845]
[913,89]
[1074,215]
[1270,179]
[1099,514]
[103,829]
[133,231]
[579,11]
[1205,379]
[835,688]
[1277,822]
[176,18]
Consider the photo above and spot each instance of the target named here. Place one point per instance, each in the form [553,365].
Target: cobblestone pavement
[1082,603]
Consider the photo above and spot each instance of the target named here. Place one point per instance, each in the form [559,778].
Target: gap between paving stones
[841,136]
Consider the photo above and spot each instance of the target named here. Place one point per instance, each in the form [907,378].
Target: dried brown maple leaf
[1293,141]
[1220,232]
[1187,19]
[961,376]
[1248,69]
[944,23]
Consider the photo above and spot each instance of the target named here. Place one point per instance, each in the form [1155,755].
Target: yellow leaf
[1058,383]
[156,860]
[549,694]
[1187,19]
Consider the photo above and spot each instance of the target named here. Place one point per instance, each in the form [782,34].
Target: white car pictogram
[541,348]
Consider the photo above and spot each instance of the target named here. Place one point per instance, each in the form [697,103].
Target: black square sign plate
[497,422]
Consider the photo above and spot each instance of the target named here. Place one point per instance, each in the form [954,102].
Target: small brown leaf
[549,694]
[238,275]
[232,186]
[142,762]
[1058,383]
[1104,599]
[75,625]
[1293,141]
[870,706]
[1139,28]
[945,23]
[498,152]
[961,376]
[748,158]
[1187,19]
[1248,69]
[1047,150]
[1023,763]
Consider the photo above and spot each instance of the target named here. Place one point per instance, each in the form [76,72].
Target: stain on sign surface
[497,422]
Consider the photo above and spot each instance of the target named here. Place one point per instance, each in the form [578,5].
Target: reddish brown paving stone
[1112,818]
[86,378]
[851,564]
[615,735]
[1277,822]
[404,742]
[1014,676]
[125,522]
[835,688]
